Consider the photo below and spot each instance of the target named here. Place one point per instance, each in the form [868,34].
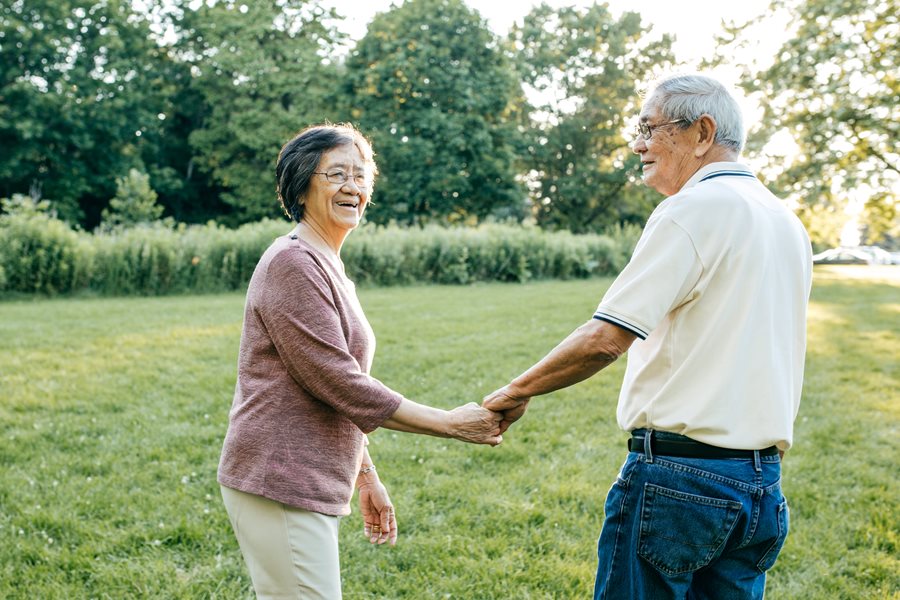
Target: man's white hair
[690,96]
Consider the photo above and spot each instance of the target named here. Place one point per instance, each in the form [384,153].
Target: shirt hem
[325,508]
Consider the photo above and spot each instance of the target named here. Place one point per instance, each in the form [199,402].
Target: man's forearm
[587,350]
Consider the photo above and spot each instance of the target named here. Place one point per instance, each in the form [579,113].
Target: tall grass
[41,255]
[112,413]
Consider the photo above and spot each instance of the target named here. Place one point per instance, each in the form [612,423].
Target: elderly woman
[304,399]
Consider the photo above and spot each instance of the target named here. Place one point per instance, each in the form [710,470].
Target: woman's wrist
[367,475]
[412,417]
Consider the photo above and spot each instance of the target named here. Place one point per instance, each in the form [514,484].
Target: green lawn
[112,413]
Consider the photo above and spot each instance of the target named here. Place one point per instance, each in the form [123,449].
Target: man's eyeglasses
[645,130]
[341,177]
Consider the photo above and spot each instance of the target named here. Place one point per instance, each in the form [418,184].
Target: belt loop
[757,466]
[648,451]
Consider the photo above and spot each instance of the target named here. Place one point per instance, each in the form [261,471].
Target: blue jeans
[691,528]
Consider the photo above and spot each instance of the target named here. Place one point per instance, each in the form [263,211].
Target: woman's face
[336,208]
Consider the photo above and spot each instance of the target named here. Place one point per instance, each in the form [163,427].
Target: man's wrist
[514,392]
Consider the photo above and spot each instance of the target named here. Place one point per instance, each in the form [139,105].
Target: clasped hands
[486,424]
[505,403]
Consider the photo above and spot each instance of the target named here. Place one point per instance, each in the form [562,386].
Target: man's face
[667,158]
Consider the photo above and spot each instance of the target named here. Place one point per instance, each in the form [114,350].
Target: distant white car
[856,255]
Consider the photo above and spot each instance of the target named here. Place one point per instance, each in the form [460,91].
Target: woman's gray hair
[690,96]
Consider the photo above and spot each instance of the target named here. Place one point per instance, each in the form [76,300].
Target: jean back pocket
[683,532]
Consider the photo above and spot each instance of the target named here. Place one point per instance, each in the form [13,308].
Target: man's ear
[706,134]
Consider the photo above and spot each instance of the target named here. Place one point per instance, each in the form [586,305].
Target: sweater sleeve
[298,309]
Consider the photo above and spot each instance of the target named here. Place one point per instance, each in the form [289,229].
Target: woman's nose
[353,186]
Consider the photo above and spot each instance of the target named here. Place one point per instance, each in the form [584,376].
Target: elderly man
[712,306]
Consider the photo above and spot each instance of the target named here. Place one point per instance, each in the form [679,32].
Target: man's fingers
[499,401]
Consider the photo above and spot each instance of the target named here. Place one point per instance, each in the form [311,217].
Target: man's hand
[512,408]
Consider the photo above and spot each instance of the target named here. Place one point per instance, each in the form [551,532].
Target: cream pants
[290,552]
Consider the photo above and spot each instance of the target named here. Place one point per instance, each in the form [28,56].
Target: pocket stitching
[779,541]
[731,507]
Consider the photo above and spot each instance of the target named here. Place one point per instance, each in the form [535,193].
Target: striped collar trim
[728,174]
[718,169]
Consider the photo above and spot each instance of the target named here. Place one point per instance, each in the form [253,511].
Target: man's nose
[639,146]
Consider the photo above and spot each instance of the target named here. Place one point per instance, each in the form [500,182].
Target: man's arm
[590,348]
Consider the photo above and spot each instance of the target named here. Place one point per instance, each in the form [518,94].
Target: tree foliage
[135,202]
[834,87]
[582,66]
[80,83]
[260,71]
[199,96]
[431,86]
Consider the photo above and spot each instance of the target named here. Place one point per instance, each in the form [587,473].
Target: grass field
[112,413]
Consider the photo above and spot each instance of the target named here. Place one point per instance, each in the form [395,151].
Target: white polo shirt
[717,290]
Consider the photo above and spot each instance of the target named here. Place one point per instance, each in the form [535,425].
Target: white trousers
[290,552]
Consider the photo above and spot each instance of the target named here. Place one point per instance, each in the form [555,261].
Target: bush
[41,254]
[393,255]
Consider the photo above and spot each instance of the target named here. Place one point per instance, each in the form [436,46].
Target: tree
[834,88]
[582,66]
[79,86]
[135,202]
[259,72]
[430,85]
[881,218]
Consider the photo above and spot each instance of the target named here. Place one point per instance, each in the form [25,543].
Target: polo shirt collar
[718,169]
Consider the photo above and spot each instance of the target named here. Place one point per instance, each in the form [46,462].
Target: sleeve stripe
[620,323]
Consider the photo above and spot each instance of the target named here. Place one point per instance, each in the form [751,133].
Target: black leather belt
[685,447]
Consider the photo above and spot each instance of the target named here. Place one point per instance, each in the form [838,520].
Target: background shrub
[40,254]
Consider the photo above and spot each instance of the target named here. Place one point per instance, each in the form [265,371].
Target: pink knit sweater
[304,397]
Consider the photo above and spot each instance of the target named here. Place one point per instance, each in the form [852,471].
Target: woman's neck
[312,235]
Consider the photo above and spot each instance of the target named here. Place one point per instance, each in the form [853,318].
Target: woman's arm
[467,423]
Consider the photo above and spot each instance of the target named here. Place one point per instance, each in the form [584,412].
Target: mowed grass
[112,413]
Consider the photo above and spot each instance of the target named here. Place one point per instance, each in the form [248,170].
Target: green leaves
[135,202]
[834,88]
[259,73]
[78,88]
[467,126]
[582,67]
[430,85]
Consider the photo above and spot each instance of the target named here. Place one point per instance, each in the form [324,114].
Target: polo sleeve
[300,315]
[661,275]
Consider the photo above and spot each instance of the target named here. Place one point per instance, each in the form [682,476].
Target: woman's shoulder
[287,253]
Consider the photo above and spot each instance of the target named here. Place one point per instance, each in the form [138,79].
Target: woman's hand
[472,423]
[380,522]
